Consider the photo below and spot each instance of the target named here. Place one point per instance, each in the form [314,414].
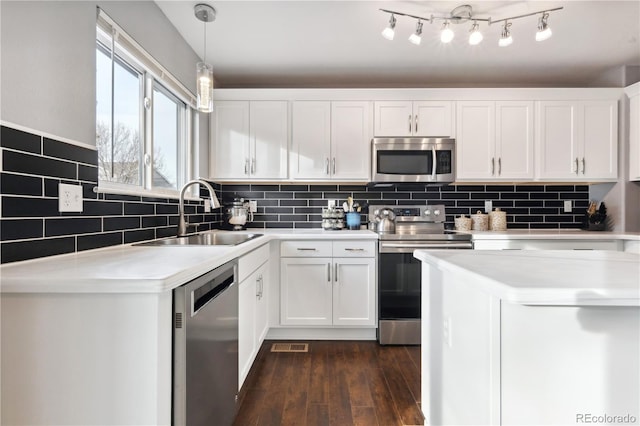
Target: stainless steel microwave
[413,160]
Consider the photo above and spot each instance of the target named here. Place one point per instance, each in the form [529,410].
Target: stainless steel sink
[204,239]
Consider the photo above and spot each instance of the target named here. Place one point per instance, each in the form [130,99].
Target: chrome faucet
[182,223]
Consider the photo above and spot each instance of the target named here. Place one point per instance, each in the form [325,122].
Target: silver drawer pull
[354,249]
[305,249]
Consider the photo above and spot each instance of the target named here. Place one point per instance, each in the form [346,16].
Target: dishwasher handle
[205,294]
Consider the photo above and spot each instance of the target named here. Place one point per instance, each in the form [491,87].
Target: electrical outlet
[253,206]
[567,206]
[488,206]
[331,203]
[69,198]
[207,205]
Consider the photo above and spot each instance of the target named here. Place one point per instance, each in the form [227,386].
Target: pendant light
[204,71]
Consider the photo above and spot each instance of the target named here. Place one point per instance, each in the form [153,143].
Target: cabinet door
[230,156]
[354,291]
[247,291]
[305,291]
[351,140]
[514,140]
[269,139]
[599,159]
[475,142]
[393,118]
[311,139]
[433,118]
[557,140]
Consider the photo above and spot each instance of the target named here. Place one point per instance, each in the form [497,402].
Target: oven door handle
[410,247]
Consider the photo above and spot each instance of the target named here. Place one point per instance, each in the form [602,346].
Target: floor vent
[290,347]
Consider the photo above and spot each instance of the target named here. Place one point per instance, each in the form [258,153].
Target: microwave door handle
[433,162]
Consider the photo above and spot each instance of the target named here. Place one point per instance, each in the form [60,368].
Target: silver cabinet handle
[258,291]
[493,166]
[335,272]
[416,123]
[577,169]
[326,166]
[354,249]
[246,166]
[334,165]
[253,165]
[409,123]
[329,272]
[583,165]
[305,249]
[499,166]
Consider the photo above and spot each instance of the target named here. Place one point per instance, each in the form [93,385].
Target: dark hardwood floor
[337,383]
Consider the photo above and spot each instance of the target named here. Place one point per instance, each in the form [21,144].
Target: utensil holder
[353,220]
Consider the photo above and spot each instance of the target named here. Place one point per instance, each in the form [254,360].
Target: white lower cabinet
[317,289]
[253,324]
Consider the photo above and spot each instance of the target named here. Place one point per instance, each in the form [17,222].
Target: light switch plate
[207,205]
[253,206]
[488,206]
[567,206]
[331,203]
[69,198]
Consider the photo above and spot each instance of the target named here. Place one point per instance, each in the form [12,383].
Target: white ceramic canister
[498,220]
[480,222]
[462,223]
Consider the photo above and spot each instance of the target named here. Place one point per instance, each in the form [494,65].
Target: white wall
[47,79]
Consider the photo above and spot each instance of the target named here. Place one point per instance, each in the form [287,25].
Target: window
[143,117]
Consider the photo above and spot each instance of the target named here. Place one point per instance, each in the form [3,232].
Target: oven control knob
[427,212]
[436,212]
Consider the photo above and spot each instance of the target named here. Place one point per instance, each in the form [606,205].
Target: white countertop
[547,277]
[140,269]
[546,234]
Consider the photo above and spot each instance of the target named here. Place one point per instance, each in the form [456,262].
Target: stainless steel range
[399,283]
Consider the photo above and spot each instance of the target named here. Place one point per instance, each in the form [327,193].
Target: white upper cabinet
[420,118]
[251,140]
[494,140]
[330,140]
[577,140]
[633,92]
[231,145]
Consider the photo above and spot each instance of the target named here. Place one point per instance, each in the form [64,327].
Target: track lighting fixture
[475,36]
[462,14]
[389,32]
[446,34]
[416,37]
[505,36]
[544,32]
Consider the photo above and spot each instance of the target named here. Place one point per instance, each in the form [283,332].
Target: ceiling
[337,43]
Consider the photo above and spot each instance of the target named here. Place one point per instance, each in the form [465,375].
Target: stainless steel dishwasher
[205,349]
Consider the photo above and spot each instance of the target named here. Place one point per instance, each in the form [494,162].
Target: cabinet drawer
[251,261]
[347,248]
[305,248]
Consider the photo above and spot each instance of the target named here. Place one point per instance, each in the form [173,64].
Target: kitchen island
[530,337]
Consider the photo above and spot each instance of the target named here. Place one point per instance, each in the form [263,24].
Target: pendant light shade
[204,71]
[205,87]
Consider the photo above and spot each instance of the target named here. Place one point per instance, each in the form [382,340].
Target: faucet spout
[182,223]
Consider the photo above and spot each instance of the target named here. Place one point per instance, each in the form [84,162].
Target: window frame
[187,119]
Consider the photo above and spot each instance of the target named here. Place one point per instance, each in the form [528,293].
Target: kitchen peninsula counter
[530,337]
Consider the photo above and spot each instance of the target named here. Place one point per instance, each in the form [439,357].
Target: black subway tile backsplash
[33,167]
[19,140]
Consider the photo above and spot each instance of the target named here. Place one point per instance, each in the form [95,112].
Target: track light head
[475,36]
[544,31]
[389,32]
[416,37]
[505,35]
[447,34]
